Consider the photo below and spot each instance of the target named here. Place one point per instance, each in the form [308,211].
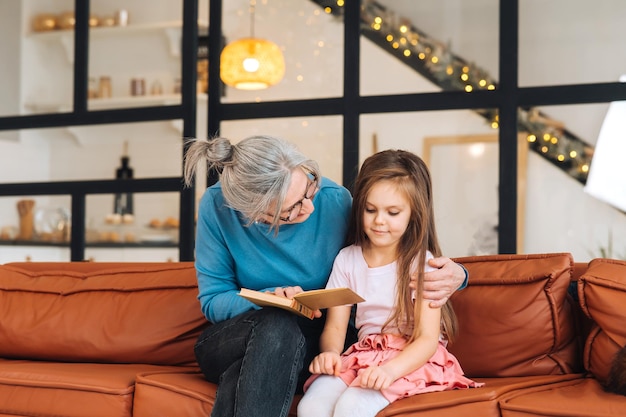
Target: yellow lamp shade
[251,64]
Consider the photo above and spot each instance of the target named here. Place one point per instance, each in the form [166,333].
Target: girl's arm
[414,355]
[332,342]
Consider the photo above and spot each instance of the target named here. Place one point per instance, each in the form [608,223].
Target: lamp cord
[252,10]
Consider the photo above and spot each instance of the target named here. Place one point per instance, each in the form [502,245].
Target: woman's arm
[414,355]
[332,342]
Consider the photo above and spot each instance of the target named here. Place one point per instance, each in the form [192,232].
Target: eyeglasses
[309,193]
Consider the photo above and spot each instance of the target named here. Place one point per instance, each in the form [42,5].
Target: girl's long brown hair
[412,177]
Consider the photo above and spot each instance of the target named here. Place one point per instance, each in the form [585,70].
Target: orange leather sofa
[116,340]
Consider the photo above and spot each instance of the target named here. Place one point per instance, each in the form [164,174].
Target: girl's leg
[360,402]
[319,400]
[255,359]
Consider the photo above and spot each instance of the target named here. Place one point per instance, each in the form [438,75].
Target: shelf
[110,103]
[31,243]
[116,103]
[171,30]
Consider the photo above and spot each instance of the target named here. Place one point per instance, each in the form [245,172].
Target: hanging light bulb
[251,63]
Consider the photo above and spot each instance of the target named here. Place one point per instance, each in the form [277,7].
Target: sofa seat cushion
[55,389]
[516,317]
[166,394]
[173,394]
[578,398]
[468,402]
[602,294]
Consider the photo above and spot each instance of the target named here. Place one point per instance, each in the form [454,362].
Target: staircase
[435,61]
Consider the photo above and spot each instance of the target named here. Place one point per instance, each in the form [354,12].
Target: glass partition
[309,38]
[428,46]
[461,150]
[319,138]
[561,214]
[44,55]
[565,42]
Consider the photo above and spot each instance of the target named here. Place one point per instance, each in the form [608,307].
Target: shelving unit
[117,51]
[171,31]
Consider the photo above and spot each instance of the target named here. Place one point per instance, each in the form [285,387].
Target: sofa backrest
[515,317]
[100,312]
[602,294]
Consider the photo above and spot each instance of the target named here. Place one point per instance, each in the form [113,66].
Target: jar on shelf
[92,90]
[137,87]
[105,89]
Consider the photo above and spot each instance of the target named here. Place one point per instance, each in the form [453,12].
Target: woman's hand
[289,292]
[328,363]
[440,284]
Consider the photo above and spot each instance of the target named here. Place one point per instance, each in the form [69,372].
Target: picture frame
[464,171]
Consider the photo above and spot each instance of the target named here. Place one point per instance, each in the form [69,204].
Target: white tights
[329,396]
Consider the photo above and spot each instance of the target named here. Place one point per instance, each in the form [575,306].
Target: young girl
[402,341]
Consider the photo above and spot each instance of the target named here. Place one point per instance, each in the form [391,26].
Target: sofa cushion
[602,294]
[481,402]
[166,394]
[100,312]
[515,316]
[53,389]
[173,394]
[581,398]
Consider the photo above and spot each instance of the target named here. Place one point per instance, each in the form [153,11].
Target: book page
[319,299]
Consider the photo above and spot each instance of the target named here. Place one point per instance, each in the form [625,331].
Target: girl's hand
[375,377]
[328,363]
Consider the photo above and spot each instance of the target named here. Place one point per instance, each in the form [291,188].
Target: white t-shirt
[376,285]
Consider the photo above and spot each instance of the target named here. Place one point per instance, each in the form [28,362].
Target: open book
[306,302]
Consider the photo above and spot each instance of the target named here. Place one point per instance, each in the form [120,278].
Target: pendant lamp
[251,63]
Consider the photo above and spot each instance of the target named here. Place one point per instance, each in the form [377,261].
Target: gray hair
[254,173]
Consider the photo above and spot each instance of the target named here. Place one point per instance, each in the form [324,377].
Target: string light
[435,60]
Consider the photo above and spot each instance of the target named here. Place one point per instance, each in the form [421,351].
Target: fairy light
[531,138]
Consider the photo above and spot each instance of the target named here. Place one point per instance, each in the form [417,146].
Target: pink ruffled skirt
[441,372]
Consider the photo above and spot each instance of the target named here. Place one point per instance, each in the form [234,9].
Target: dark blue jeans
[257,360]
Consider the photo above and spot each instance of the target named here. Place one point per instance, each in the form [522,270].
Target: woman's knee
[277,325]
